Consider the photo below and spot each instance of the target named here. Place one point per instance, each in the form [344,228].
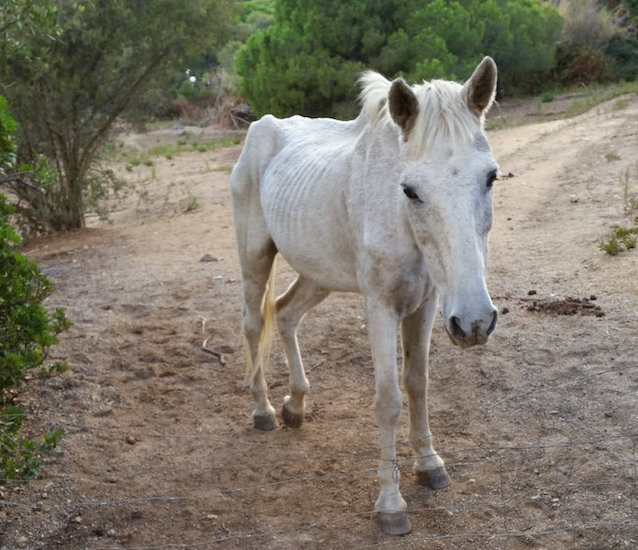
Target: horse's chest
[397,276]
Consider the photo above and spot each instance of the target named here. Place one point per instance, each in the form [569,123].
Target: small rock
[131,440]
[531,292]
[208,258]
[77,519]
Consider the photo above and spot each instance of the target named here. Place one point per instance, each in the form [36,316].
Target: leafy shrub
[587,23]
[622,238]
[27,330]
[308,60]
[594,45]
[577,65]
[623,52]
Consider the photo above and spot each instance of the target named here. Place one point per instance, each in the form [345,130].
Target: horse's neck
[376,178]
[381,146]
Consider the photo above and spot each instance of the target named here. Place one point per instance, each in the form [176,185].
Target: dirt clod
[567,306]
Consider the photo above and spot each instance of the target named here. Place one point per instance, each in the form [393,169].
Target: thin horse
[395,205]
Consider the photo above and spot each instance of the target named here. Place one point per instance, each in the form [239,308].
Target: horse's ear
[404,106]
[480,89]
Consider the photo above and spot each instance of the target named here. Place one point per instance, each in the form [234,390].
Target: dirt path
[539,428]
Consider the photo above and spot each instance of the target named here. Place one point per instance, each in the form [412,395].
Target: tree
[521,36]
[68,88]
[307,62]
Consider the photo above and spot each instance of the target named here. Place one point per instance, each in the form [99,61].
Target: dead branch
[218,354]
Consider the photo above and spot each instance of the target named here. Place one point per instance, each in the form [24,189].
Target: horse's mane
[444,118]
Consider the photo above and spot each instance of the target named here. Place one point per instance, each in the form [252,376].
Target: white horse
[395,205]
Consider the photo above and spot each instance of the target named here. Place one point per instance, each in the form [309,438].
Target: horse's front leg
[416,331]
[382,330]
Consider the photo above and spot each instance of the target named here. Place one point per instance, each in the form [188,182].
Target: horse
[395,205]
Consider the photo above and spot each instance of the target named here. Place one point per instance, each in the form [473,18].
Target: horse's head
[446,188]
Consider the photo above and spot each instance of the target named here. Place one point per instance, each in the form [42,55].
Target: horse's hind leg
[256,268]
[300,297]
[415,332]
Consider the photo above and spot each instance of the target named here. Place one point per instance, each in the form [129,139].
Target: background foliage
[308,60]
[86,64]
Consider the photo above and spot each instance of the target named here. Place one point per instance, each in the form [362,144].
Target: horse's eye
[410,193]
[491,179]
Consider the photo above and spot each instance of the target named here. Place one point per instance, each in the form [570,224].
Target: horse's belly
[315,240]
[303,196]
[326,266]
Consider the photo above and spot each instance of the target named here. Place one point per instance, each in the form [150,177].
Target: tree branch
[117,111]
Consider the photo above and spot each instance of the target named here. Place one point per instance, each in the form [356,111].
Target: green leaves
[27,330]
[88,65]
[410,38]
[7,143]
[22,458]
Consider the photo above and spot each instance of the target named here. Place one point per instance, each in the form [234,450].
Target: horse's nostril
[492,326]
[455,328]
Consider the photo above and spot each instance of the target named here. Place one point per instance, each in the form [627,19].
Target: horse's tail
[268,310]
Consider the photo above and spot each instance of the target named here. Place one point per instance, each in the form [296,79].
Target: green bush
[307,62]
[27,329]
[596,44]
[623,51]
[578,65]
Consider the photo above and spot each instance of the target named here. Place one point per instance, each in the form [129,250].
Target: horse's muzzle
[476,335]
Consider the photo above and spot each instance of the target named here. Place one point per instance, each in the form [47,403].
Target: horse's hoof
[291,419]
[394,523]
[265,422]
[437,478]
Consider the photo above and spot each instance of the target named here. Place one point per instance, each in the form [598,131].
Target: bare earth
[539,428]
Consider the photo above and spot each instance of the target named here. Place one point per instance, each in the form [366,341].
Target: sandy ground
[539,428]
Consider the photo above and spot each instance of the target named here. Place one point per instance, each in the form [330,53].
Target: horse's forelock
[444,117]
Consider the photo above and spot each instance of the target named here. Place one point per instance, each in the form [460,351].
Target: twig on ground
[217,354]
